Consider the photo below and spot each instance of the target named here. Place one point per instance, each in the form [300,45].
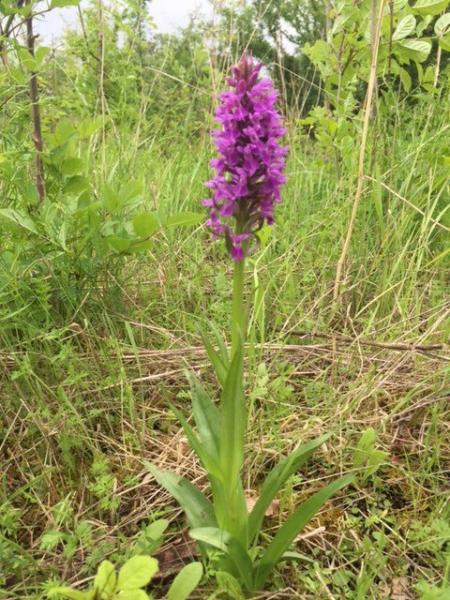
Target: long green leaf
[210,463]
[216,360]
[295,523]
[277,478]
[185,582]
[206,415]
[198,508]
[213,536]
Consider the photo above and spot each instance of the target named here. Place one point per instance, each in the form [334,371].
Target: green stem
[238,315]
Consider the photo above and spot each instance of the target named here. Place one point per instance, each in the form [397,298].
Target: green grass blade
[199,510]
[295,523]
[277,478]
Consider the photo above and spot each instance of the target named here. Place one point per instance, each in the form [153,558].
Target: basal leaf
[208,461]
[185,582]
[277,478]
[197,507]
[295,523]
[137,572]
[206,415]
[105,579]
[216,360]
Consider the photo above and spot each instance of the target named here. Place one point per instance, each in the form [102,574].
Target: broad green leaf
[72,166]
[26,59]
[227,584]
[150,537]
[18,218]
[198,508]
[417,50]
[68,592]
[156,529]
[132,595]
[405,78]
[111,198]
[88,127]
[105,579]
[184,219]
[405,27]
[140,246]
[363,449]
[442,25]
[277,478]
[233,419]
[76,185]
[63,132]
[145,224]
[185,582]
[206,415]
[118,243]
[444,42]
[137,572]
[430,7]
[131,190]
[217,538]
[40,54]
[397,6]
[17,74]
[295,523]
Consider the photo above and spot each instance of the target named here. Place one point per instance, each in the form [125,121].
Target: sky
[169,15]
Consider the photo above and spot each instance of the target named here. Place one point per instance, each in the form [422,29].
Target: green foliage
[104,287]
[130,581]
[226,525]
[367,457]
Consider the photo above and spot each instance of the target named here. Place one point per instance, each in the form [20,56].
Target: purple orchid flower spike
[249,170]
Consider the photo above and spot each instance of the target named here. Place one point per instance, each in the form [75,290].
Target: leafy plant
[225,525]
[131,579]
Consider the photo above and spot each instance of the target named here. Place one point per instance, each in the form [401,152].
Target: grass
[87,374]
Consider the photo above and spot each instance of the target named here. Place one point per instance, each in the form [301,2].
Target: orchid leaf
[231,547]
[277,478]
[295,523]
[206,415]
[209,462]
[216,360]
[199,510]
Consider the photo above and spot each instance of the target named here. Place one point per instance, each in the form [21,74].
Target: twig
[362,153]
[36,115]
